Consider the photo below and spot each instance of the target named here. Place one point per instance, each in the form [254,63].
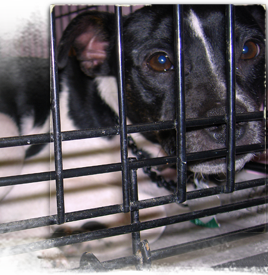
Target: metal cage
[142,254]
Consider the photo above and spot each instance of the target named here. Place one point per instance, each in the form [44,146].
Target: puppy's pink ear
[89,37]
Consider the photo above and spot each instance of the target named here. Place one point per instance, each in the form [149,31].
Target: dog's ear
[89,37]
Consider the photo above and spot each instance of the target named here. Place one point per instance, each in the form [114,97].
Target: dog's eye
[160,62]
[250,50]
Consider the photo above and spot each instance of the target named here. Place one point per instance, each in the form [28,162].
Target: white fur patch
[8,126]
[107,87]
[28,128]
[197,28]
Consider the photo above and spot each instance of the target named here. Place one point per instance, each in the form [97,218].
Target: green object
[210,224]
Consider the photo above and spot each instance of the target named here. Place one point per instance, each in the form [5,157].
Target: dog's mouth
[214,138]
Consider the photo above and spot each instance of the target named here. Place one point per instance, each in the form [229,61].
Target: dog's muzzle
[218,133]
[213,138]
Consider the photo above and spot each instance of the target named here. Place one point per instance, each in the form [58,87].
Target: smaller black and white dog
[88,98]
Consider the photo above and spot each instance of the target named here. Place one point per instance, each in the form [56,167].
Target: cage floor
[248,251]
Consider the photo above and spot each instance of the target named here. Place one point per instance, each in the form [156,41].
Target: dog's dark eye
[250,50]
[160,62]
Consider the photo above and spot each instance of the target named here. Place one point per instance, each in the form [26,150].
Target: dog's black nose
[218,133]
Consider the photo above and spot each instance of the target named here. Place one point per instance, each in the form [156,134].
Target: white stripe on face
[198,31]
[196,26]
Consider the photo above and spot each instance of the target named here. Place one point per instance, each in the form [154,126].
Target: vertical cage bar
[56,122]
[122,113]
[180,108]
[135,217]
[231,97]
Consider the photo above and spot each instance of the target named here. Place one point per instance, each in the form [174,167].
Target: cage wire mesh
[239,205]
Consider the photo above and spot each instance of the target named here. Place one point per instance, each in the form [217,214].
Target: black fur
[25,89]
[86,108]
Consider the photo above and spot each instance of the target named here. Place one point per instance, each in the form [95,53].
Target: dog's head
[150,74]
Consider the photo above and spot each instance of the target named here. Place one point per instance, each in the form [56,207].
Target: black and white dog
[88,98]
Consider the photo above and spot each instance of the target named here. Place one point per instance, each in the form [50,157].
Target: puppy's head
[150,73]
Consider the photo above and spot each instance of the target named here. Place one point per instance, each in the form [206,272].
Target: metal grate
[142,255]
